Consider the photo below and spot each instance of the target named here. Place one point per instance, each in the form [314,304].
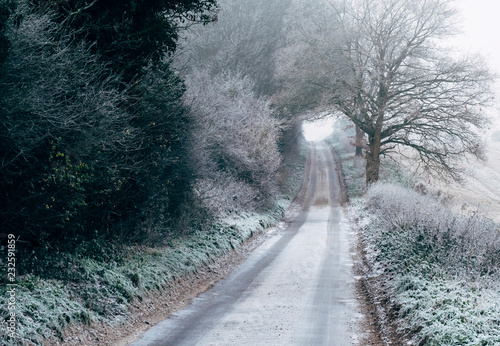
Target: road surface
[297,288]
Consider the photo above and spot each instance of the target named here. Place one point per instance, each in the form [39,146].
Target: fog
[318,130]
[481,27]
[481,191]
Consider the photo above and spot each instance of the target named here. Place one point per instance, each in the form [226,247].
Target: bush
[84,156]
[467,247]
[62,133]
[235,140]
[440,270]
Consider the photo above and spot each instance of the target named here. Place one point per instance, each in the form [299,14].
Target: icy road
[297,288]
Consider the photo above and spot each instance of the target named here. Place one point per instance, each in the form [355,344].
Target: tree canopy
[93,131]
[129,33]
[383,65]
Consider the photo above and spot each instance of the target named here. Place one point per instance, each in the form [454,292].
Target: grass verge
[99,291]
[82,289]
[439,270]
[432,275]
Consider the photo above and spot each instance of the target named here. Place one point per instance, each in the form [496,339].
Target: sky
[481,34]
[480,22]
[318,130]
[481,26]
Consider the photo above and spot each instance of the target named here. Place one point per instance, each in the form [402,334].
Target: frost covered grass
[98,290]
[441,269]
[448,312]
[96,282]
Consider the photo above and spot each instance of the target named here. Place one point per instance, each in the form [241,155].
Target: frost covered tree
[383,65]
[242,41]
[305,64]
[235,138]
[300,62]
[400,87]
[229,66]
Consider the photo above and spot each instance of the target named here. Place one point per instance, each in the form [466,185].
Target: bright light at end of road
[317,130]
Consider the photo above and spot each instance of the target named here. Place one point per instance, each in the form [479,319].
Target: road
[297,288]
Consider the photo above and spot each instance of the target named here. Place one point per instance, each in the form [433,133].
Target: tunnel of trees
[135,120]
[131,121]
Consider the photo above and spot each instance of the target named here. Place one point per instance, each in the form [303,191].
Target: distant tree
[243,41]
[298,62]
[305,64]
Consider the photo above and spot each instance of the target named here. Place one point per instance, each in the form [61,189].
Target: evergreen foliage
[5,10]
[92,148]
[130,33]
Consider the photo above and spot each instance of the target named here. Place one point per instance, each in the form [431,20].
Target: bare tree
[242,41]
[380,63]
[306,65]
[300,62]
[400,88]
[235,140]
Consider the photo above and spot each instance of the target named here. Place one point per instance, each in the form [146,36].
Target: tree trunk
[359,141]
[359,151]
[373,160]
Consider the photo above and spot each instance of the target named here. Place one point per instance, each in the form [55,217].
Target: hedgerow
[93,290]
[440,268]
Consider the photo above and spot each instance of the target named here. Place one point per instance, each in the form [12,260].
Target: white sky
[481,26]
[481,34]
[318,130]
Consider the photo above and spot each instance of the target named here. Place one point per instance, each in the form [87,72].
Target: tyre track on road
[297,288]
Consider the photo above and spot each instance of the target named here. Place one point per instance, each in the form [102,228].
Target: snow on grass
[99,290]
[87,290]
[441,269]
